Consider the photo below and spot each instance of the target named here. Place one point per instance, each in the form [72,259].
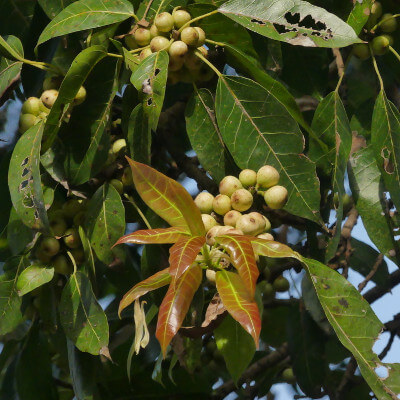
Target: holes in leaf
[149,101]
[25,172]
[382,371]
[157,71]
[387,163]
[283,29]
[25,161]
[257,21]
[23,185]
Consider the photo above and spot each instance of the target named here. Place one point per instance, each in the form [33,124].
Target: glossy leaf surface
[33,277]
[157,236]
[270,248]
[239,303]
[359,15]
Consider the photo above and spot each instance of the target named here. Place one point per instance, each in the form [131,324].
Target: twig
[347,377]
[374,268]
[379,291]
[388,346]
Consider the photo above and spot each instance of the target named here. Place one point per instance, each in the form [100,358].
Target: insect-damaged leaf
[258,130]
[86,14]
[385,140]
[159,279]
[239,303]
[150,80]
[167,198]
[157,236]
[175,305]
[24,180]
[83,320]
[356,326]
[243,259]
[183,253]
[359,14]
[295,22]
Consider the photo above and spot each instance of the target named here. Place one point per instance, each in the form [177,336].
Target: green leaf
[204,135]
[18,234]
[258,130]
[10,69]
[86,14]
[157,6]
[385,140]
[54,7]
[295,22]
[85,134]
[356,326]
[105,221]
[367,188]
[306,347]
[11,48]
[73,80]
[150,79]
[82,368]
[236,346]
[81,316]
[359,15]
[10,302]
[139,136]
[331,125]
[34,375]
[24,179]
[33,277]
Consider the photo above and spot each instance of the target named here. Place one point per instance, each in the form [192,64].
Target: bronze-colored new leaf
[272,249]
[159,279]
[156,236]
[243,258]
[237,300]
[183,253]
[175,305]
[167,198]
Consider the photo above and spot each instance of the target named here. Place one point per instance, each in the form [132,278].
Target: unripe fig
[248,225]
[164,22]
[361,50]
[190,36]
[248,177]
[229,185]
[144,54]
[231,218]
[42,116]
[80,97]
[79,219]
[50,246]
[261,221]
[276,197]
[288,376]
[119,146]
[31,106]
[62,265]
[222,204]
[42,256]
[267,290]
[181,17]
[155,32]
[49,97]
[131,42]
[208,221]
[72,238]
[175,64]
[178,49]
[26,121]
[380,45]
[118,185]
[388,24]
[389,38]
[72,207]
[241,200]
[159,43]
[202,36]
[127,179]
[267,176]
[58,226]
[376,9]
[217,231]
[281,284]
[142,36]
[204,201]
[210,275]
[79,255]
[265,236]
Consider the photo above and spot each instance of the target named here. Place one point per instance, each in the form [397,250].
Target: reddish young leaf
[175,305]
[272,249]
[183,253]
[243,258]
[167,198]
[238,302]
[157,236]
[159,279]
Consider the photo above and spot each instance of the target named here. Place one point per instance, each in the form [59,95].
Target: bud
[222,204]
[241,200]
[62,265]
[267,176]
[204,202]
[231,217]
[248,177]
[208,221]
[229,185]
[276,197]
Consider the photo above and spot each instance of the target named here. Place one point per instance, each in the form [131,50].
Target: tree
[285,117]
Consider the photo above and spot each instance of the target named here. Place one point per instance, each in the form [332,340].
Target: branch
[261,365]
[378,291]
[371,274]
